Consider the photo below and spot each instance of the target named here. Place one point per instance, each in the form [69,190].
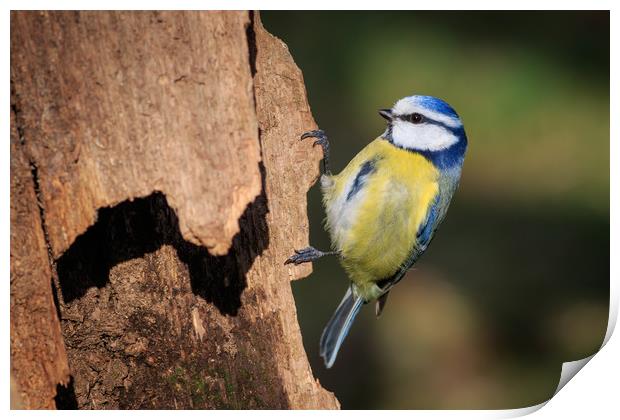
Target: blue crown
[434,104]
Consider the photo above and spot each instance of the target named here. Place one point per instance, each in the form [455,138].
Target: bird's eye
[416,118]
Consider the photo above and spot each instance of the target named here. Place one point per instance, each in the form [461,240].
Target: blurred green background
[517,278]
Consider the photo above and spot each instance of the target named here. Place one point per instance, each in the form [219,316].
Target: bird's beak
[386,113]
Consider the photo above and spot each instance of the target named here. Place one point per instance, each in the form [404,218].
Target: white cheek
[422,137]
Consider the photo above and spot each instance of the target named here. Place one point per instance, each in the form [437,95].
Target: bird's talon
[313,133]
[305,255]
[321,139]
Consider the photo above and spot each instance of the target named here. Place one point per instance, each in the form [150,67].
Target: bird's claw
[319,134]
[304,255]
[321,140]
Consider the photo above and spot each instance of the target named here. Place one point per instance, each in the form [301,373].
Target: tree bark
[157,186]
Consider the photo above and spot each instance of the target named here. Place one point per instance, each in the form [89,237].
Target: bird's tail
[338,327]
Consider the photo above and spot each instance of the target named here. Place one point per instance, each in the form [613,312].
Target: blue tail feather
[338,327]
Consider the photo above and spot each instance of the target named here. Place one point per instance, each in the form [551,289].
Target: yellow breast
[375,228]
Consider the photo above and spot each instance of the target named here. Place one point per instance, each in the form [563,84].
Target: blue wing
[427,229]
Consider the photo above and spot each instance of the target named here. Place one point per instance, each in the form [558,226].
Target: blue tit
[384,208]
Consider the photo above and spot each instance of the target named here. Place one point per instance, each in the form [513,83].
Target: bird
[383,209]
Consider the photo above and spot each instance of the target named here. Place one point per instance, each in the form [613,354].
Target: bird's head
[424,124]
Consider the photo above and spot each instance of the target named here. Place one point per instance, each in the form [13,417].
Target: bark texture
[157,184]
[38,357]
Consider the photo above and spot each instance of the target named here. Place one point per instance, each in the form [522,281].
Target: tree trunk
[157,186]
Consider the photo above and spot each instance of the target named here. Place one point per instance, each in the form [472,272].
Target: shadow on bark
[132,229]
[65,396]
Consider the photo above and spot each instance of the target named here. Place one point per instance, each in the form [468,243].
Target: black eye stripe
[427,120]
[415,118]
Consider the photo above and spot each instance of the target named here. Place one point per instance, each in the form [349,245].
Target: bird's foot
[307,255]
[319,135]
[321,140]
